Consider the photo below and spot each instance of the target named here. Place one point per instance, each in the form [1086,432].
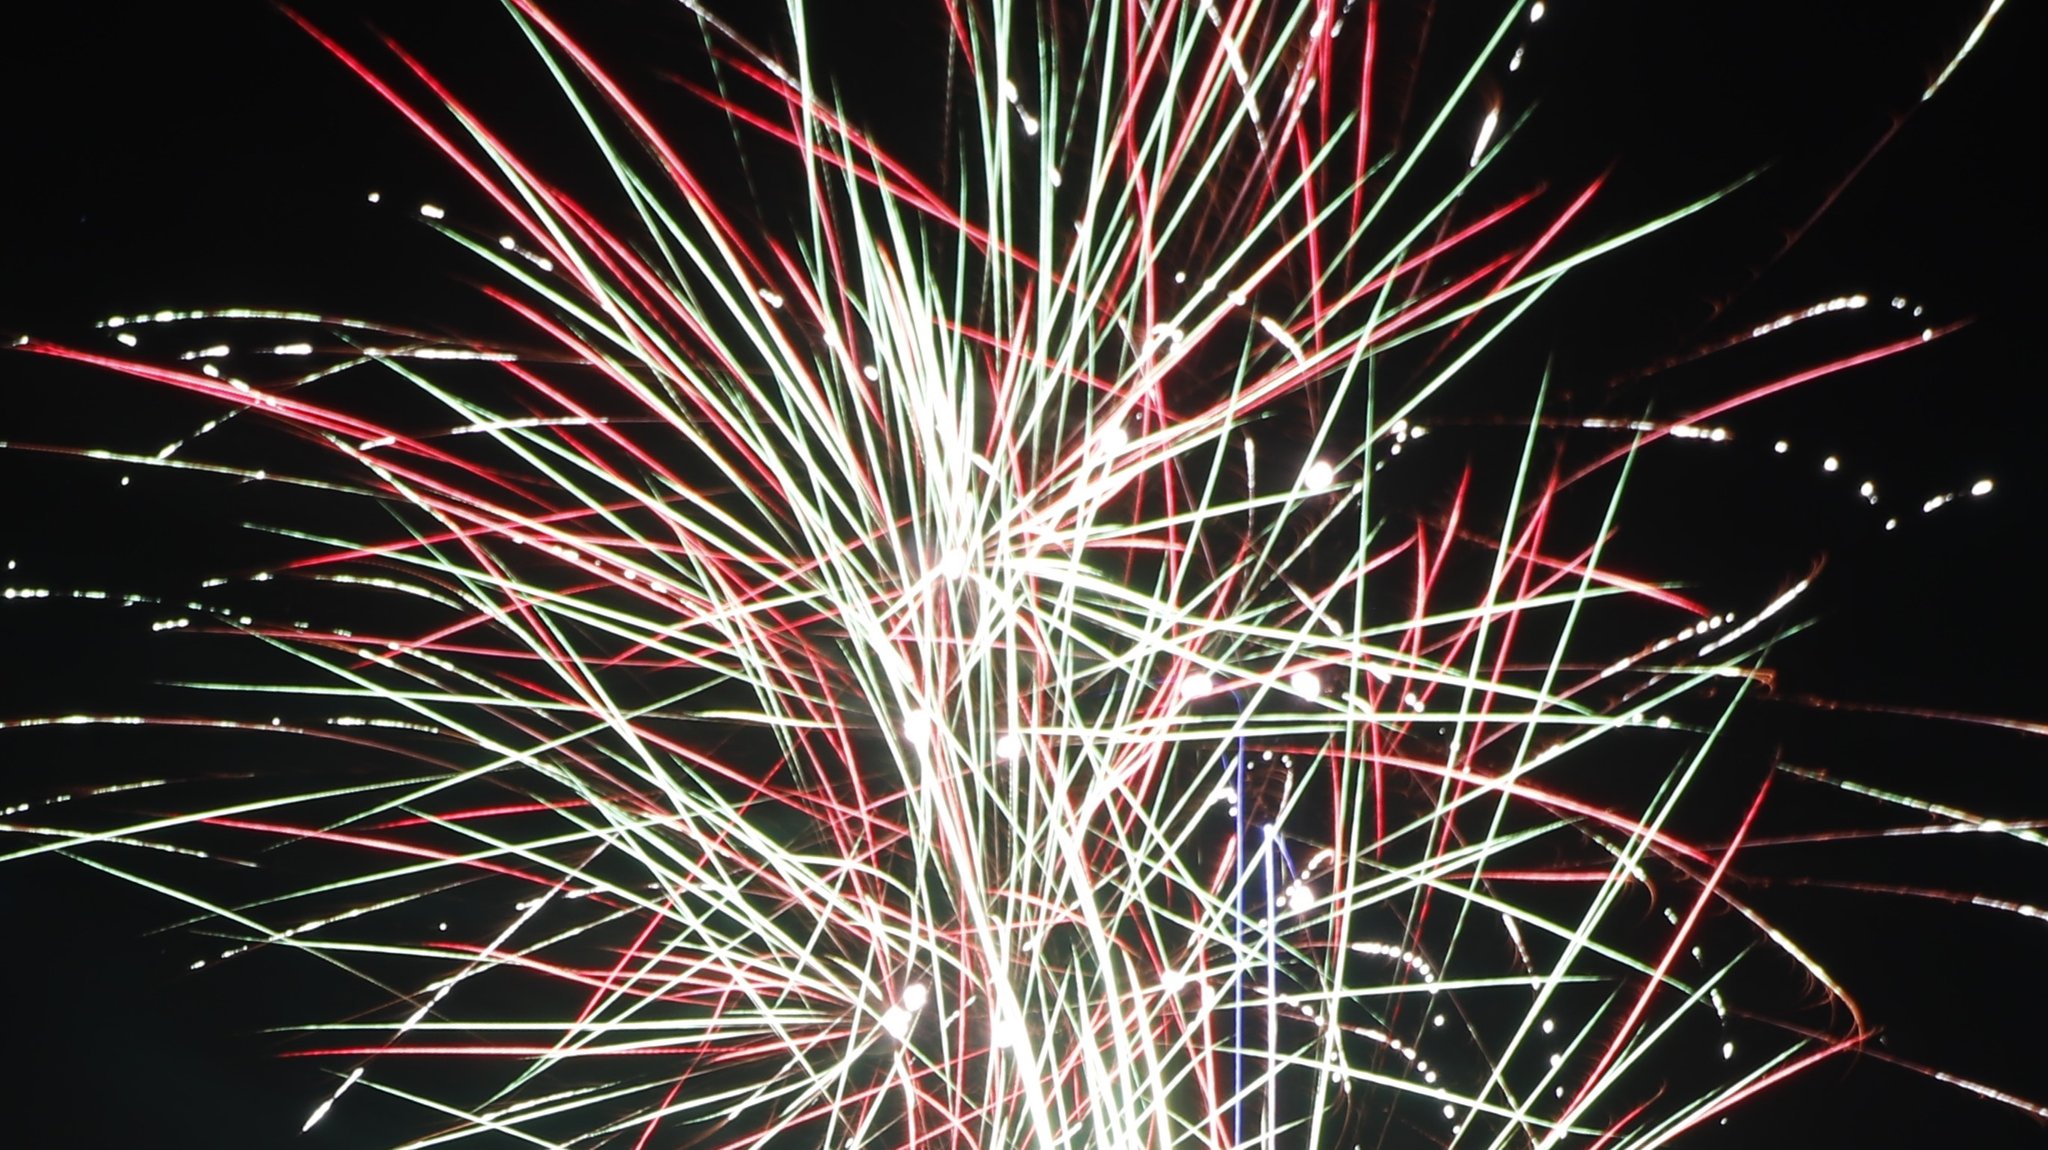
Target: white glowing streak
[321,1110]
[1273,328]
[433,211]
[1776,605]
[1969,45]
[444,353]
[1009,747]
[1486,129]
[1402,955]
[1839,303]
[1233,58]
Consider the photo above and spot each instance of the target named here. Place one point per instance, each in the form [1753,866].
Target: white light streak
[1486,130]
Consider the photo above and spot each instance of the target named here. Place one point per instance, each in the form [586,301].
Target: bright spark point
[896,1022]
[1305,684]
[1008,1030]
[918,728]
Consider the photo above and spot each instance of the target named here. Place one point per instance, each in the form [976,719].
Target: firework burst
[888,652]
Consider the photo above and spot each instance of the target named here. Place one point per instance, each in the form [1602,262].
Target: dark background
[182,155]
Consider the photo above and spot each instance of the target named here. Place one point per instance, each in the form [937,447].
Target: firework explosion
[967,653]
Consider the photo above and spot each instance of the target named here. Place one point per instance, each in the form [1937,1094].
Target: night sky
[212,154]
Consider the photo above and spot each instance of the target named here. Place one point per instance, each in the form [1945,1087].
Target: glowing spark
[1486,130]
